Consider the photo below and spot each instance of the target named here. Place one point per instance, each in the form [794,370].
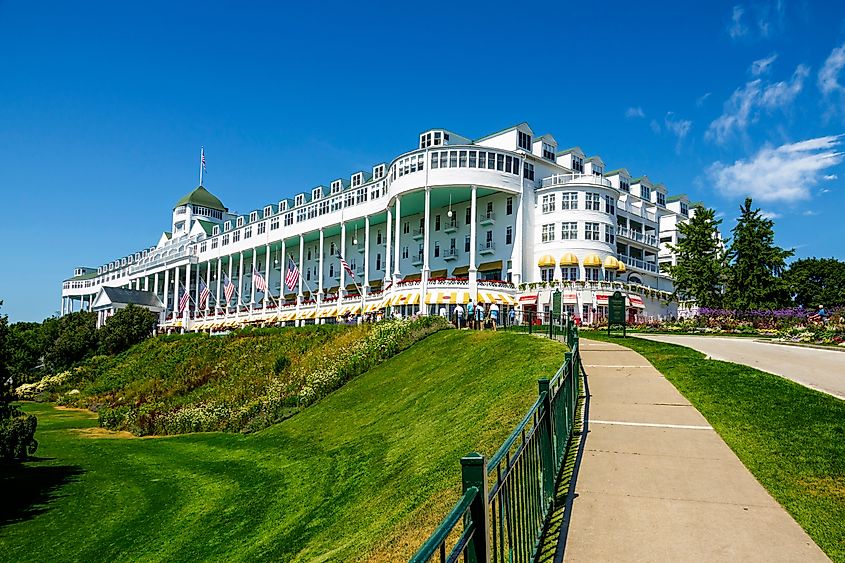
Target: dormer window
[215,230]
[548,152]
[378,171]
[300,199]
[597,170]
[523,140]
[337,187]
[316,193]
[357,179]
[240,221]
[645,192]
[624,185]
[283,205]
[577,164]
[684,209]
[661,199]
[268,211]
[253,216]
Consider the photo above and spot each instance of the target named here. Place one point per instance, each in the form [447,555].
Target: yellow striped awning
[327,312]
[410,297]
[372,307]
[486,296]
[568,259]
[622,267]
[546,261]
[592,261]
[446,297]
[611,263]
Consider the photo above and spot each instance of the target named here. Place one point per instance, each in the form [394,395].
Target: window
[248,232]
[469,215]
[437,222]
[509,235]
[645,192]
[466,244]
[608,234]
[274,223]
[378,172]
[569,200]
[404,252]
[577,164]
[213,243]
[591,231]
[378,236]
[378,261]
[547,274]
[225,240]
[202,247]
[568,231]
[253,217]
[288,219]
[309,254]
[548,203]
[592,274]
[357,178]
[300,199]
[509,206]
[500,162]
[406,228]
[624,185]
[240,221]
[262,228]
[684,209]
[569,273]
[332,249]
[661,199]
[528,171]
[593,202]
[236,236]
[597,170]
[482,159]
[473,159]
[547,233]
[215,230]
[609,205]
[523,140]
[436,249]
[548,152]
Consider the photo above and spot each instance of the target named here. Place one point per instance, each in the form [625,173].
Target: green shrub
[281,364]
[17,433]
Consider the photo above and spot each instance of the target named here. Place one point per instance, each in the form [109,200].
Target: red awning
[528,299]
[636,301]
[570,297]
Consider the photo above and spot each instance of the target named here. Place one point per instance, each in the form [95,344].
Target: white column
[426,269]
[175,291]
[240,282]
[155,283]
[252,279]
[266,275]
[516,256]
[208,285]
[366,287]
[217,292]
[62,307]
[230,280]
[301,278]
[197,290]
[166,292]
[188,286]
[341,290]
[387,248]
[397,243]
[473,246]
[320,271]
[146,283]
[283,268]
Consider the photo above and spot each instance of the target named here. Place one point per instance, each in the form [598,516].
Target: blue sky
[104,106]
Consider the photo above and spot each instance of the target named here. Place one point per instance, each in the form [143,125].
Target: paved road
[823,370]
[656,482]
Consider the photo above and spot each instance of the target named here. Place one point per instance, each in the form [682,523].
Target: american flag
[202,157]
[346,266]
[292,275]
[228,288]
[258,281]
[183,301]
[204,293]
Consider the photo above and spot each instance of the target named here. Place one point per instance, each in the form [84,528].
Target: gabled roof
[207,226]
[88,276]
[546,137]
[201,196]
[619,171]
[505,130]
[678,197]
[118,295]
[569,150]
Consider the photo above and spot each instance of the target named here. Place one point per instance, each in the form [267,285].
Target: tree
[17,430]
[817,281]
[76,338]
[756,265]
[127,327]
[24,350]
[699,272]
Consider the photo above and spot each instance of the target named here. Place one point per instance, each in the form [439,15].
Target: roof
[678,197]
[132,297]
[88,276]
[203,197]
[207,226]
[505,130]
[569,150]
[617,171]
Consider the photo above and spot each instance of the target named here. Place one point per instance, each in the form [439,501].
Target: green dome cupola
[201,197]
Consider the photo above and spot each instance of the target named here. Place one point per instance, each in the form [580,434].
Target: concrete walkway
[656,483]
[822,370]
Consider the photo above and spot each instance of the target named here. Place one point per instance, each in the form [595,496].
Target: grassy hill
[365,473]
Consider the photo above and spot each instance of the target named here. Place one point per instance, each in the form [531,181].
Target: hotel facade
[507,218]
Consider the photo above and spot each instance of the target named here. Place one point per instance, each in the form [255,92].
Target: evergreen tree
[756,265]
[127,327]
[817,281]
[699,272]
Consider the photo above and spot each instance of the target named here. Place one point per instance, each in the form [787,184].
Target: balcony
[417,260]
[574,178]
[488,247]
[488,218]
[637,263]
[450,254]
[451,225]
[631,234]
[418,234]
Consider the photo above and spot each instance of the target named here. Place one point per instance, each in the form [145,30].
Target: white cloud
[632,112]
[678,127]
[700,101]
[736,28]
[769,215]
[830,177]
[739,111]
[785,173]
[761,66]
[829,73]
[655,126]
[810,213]
[825,191]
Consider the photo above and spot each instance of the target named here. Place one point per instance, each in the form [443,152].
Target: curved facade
[506,218]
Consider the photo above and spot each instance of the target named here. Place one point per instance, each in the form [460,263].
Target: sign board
[616,311]
[556,303]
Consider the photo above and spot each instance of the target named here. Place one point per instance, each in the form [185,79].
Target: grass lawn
[366,473]
[791,438]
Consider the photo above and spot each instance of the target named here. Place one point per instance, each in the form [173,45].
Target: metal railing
[507,500]
[574,178]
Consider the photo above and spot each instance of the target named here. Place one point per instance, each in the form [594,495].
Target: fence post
[474,474]
[547,442]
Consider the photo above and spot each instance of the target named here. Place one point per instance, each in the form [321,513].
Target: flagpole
[202,153]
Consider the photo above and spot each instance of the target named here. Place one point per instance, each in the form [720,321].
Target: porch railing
[506,500]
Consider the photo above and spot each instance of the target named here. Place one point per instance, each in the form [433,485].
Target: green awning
[460,271]
[490,266]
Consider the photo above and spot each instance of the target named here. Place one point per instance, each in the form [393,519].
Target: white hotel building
[508,217]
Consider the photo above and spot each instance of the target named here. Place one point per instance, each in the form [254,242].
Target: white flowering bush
[32,391]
